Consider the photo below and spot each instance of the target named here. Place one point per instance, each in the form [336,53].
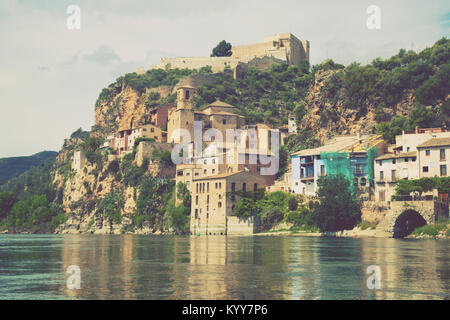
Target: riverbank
[356,232]
[427,233]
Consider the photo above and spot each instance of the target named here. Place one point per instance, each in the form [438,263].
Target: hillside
[14,166]
[114,196]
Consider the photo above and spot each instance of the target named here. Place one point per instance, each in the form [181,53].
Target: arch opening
[407,222]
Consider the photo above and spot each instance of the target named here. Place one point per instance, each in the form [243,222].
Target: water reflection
[173,267]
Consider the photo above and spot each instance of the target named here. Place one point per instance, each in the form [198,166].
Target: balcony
[308,177]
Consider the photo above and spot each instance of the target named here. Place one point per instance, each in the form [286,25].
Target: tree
[223,49]
[245,208]
[337,208]
[7,201]
[299,112]
[178,218]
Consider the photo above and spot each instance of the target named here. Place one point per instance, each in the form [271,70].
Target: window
[204,171]
[425,169]
[393,175]
[406,159]
[363,182]
[196,201]
[244,187]
[394,161]
[220,204]
[187,95]
[381,175]
[355,182]
[207,187]
[196,213]
[427,152]
[152,129]
[224,121]
[443,170]
[213,170]
[442,154]
[255,187]
[407,149]
[322,170]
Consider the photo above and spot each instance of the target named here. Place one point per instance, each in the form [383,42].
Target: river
[188,267]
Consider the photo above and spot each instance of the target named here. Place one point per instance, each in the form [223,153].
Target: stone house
[213,201]
[434,157]
[391,167]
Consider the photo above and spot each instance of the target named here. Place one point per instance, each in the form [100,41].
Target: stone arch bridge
[404,216]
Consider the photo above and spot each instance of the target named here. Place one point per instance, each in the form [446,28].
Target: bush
[293,203]
[113,167]
[337,208]
[111,206]
[245,208]
[154,197]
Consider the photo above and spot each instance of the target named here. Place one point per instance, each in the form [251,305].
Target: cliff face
[126,108]
[329,113]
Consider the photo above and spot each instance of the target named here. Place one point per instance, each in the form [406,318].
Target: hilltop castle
[283,47]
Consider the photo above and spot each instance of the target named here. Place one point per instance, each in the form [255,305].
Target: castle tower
[183,116]
[185,97]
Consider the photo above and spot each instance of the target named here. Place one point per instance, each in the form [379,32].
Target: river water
[188,267]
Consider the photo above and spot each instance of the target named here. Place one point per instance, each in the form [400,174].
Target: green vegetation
[34,214]
[261,95]
[223,49]
[337,208]
[366,225]
[153,201]
[13,167]
[406,187]
[179,216]
[110,206]
[441,226]
[419,116]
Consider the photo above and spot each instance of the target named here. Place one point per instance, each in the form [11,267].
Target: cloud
[104,55]
[44,68]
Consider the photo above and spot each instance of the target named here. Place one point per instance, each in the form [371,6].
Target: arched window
[219,204]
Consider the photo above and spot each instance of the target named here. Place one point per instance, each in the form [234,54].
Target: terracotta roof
[186,86]
[435,142]
[218,103]
[334,146]
[344,144]
[397,156]
[223,113]
[226,175]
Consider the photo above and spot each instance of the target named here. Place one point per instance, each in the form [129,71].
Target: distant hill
[14,166]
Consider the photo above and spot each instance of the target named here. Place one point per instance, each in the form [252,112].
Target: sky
[51,76]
